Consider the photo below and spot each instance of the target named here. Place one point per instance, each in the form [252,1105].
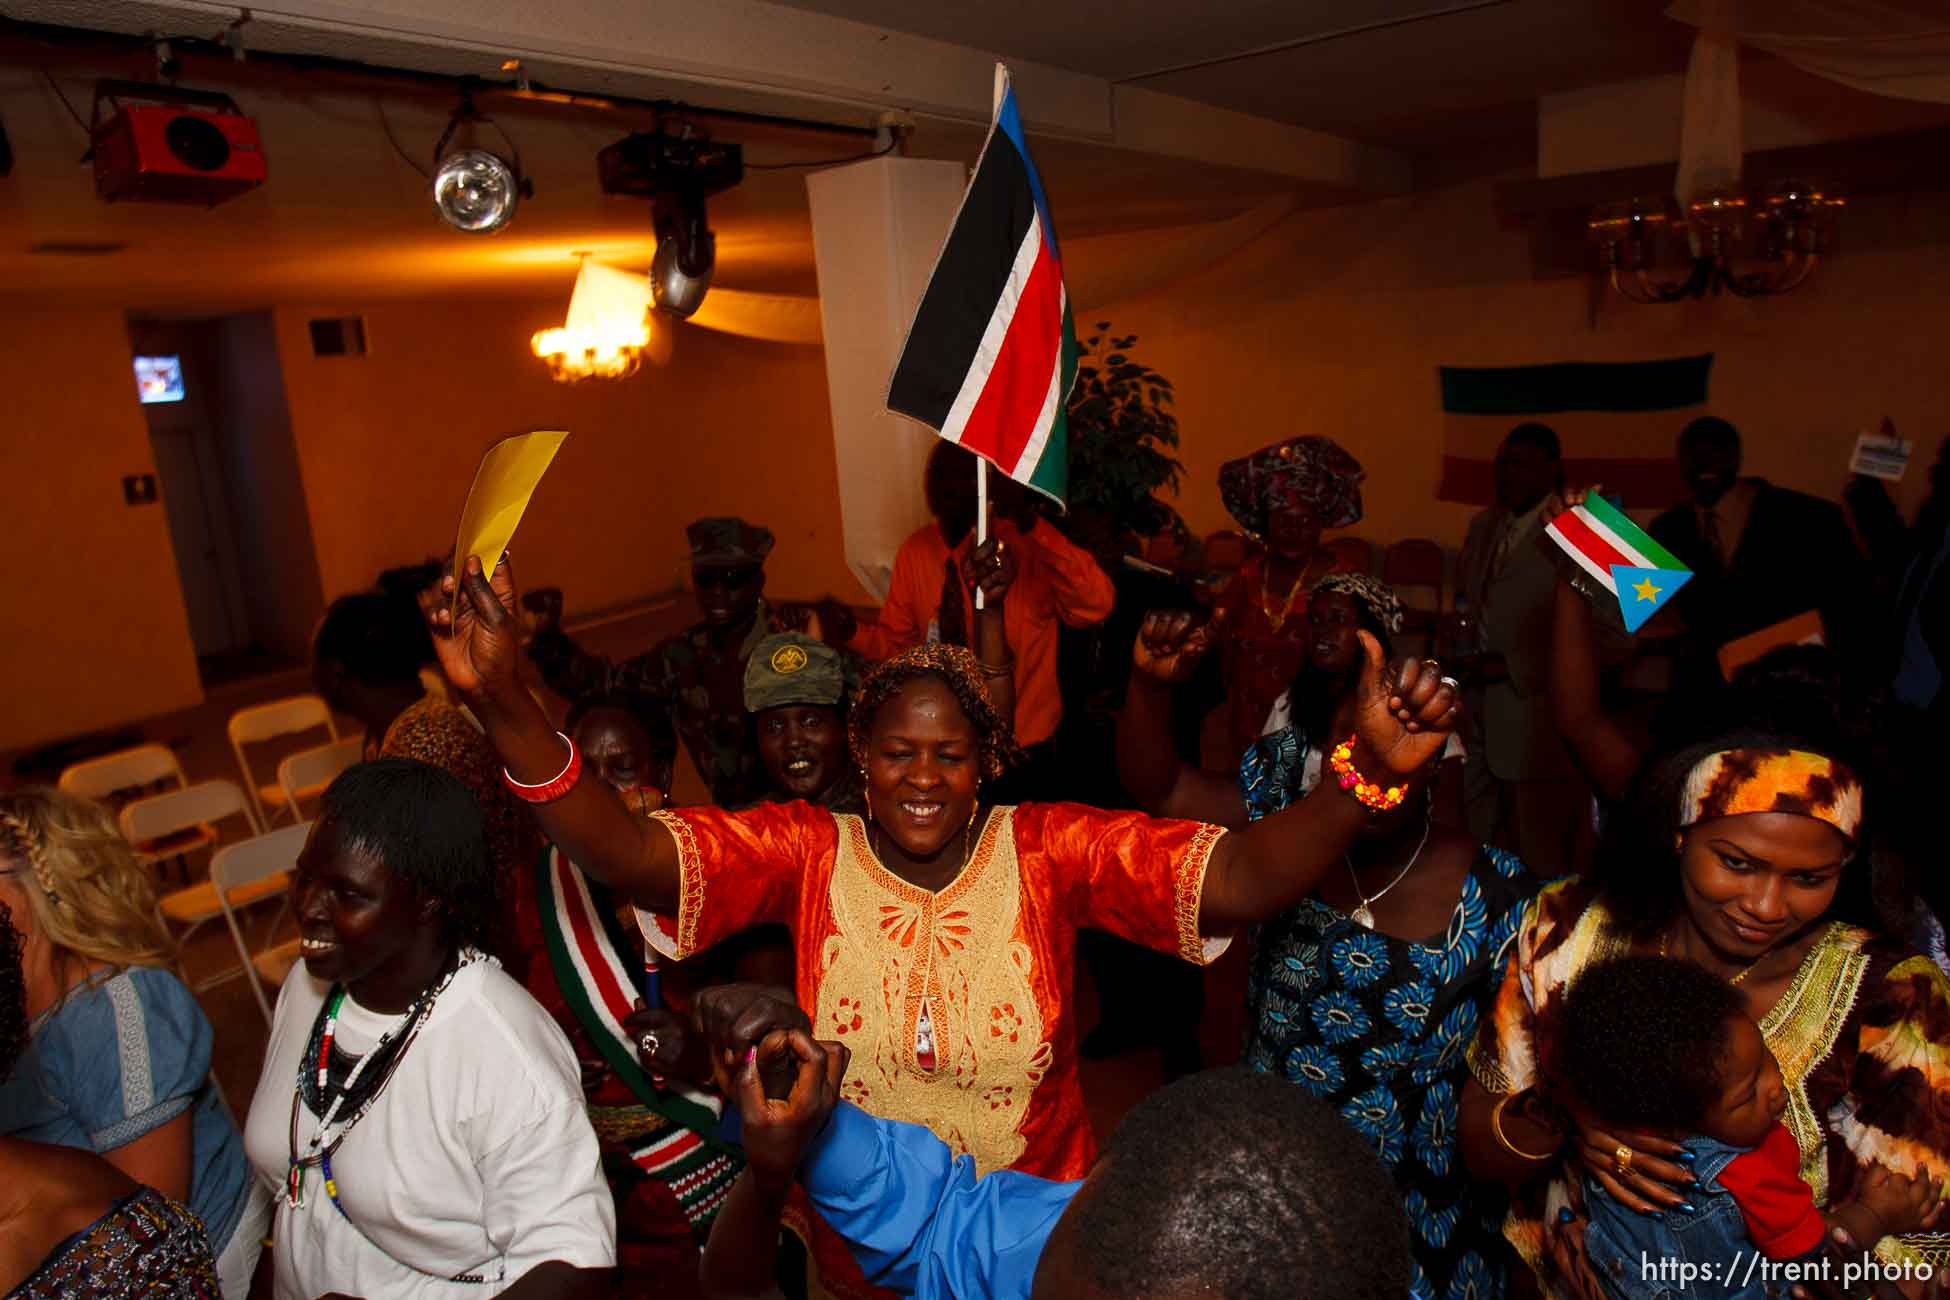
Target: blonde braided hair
[86,893]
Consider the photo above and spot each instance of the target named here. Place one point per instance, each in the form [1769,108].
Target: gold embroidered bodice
[897,947]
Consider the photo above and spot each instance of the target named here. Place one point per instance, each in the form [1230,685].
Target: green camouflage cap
[728,542]
[789,668]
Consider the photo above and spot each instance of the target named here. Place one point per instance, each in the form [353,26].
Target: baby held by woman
[1662,1046]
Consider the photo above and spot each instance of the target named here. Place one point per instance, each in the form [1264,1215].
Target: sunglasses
[725,579]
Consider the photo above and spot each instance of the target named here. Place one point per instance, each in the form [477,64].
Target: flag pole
[981,513]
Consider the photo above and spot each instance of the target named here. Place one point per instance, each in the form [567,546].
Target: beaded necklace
[318,1151]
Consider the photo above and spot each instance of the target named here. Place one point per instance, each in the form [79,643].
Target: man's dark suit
[1795,554]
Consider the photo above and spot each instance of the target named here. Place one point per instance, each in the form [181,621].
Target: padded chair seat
[274,964]
[187,840]
[272,796]
[199,902]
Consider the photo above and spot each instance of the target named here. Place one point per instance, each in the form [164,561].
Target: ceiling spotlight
[687,254]
[474,189]
[676,173]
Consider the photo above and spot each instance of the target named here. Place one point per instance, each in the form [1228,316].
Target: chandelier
[1791,227]
[607,328]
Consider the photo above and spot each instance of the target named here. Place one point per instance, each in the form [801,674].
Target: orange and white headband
[1738,781]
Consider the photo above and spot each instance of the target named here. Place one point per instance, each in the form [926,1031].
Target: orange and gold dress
[956,1004]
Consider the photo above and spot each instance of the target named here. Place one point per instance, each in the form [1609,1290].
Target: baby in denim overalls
[1659,1045]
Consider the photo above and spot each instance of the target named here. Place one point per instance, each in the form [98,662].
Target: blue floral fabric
[1378,1027]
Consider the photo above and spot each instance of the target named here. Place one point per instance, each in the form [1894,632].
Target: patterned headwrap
[1737,781]
[1312,473]
[1380,600]
[955,665]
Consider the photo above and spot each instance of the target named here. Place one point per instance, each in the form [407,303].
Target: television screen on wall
[159,379]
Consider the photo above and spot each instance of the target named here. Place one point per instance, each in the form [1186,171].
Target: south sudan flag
[992,353]
[1618,422]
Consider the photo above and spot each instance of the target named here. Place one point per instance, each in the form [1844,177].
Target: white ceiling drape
[1897,48]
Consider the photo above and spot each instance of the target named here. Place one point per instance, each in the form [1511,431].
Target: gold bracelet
[997,670]
[1496,1131]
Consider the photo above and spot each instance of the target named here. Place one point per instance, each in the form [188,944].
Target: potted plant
[1122,439]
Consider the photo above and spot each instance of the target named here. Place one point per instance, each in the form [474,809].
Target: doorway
[232,490]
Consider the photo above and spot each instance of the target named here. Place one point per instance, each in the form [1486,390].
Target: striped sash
[587,949]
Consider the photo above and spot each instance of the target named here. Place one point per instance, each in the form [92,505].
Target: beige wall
[388,444]
[1331,323]
[386,448]
[1335,321]
[94,630]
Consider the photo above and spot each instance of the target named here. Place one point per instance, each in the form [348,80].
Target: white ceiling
[1454,83]
[1418,75]
[344,216]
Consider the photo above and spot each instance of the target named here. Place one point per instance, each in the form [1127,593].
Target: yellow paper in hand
[508,476]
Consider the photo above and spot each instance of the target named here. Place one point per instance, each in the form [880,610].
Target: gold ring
[1621,1161]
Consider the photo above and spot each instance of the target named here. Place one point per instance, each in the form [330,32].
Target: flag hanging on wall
[1618,422]
[992,353]
[1621,557]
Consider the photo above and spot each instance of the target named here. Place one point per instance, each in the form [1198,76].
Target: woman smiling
[1743,856]
[419,1116]
[936,934]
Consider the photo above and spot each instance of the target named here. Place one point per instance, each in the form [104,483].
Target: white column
[877,228]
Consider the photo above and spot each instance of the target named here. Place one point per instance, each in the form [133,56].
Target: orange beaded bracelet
[1370,794]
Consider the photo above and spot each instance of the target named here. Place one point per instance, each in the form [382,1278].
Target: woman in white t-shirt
[420,1118]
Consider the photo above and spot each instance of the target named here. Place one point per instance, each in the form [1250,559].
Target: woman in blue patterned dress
[1369,993]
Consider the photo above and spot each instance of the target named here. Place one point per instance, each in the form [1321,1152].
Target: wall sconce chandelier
[1792,226]
[607,330]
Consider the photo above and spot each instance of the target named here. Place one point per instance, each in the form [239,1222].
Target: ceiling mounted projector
[165,144]
[676,173]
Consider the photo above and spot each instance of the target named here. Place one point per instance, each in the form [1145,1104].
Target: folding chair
[139,768]
[305,774]
[1356,551]
[176,822]
[262,722]
[173,824]
[1224,552]
[255,871]
[1415,562]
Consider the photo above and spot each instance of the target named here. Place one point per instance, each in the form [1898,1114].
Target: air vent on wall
[77,247]
[339,336]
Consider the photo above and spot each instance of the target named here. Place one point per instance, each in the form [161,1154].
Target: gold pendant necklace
[1745,971]
[1363,913]
[1277,618]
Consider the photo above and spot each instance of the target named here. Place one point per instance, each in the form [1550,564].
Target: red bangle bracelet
[549,791]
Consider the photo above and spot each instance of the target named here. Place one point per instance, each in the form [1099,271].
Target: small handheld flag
[1621,557]
[992,353]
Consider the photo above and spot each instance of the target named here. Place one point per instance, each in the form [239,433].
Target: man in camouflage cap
[699,674]
[795,690]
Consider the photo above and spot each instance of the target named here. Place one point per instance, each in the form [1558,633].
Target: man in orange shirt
[1048,580]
